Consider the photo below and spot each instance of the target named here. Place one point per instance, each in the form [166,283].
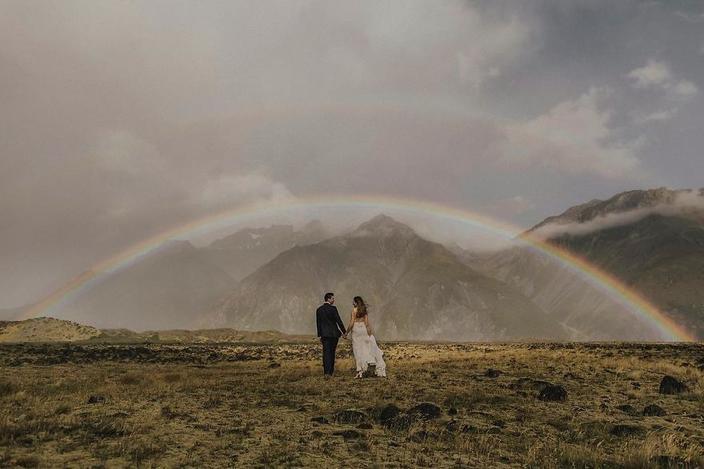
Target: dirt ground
[267,405]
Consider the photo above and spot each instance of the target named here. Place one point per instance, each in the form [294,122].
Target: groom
[330,328]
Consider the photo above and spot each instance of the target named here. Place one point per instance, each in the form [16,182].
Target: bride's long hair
[360,305]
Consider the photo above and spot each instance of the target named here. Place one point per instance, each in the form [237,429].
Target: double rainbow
[610,285]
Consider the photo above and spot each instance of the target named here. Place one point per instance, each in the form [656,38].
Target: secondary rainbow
[607,283]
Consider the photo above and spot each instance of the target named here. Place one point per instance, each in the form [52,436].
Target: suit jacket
[328,321]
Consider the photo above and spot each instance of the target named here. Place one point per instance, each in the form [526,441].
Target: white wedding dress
[366,351]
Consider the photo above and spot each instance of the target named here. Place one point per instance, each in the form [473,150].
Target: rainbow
[633,301]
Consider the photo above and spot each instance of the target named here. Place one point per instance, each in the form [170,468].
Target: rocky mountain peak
[385,226]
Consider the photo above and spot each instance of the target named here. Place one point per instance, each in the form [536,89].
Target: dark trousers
[329,346]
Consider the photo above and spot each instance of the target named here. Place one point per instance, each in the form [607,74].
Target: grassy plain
[267,405]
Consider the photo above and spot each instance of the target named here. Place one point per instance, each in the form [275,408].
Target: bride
[364,346]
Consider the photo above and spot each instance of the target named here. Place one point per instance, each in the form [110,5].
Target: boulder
[671,385]
[553,393]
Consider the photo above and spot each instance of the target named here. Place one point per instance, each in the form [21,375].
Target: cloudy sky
[119,119]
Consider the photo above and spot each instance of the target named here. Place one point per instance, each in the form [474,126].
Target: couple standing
[364,346]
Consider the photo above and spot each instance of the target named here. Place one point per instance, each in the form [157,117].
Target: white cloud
[657,74]
[685,202]
[685,88]
[651,74]
[573,137]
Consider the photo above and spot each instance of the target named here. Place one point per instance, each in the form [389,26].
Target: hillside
[45,330]
[648,239]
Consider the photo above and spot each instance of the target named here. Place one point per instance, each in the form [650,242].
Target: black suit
[330,328]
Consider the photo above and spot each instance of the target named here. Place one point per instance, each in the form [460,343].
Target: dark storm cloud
[121,119]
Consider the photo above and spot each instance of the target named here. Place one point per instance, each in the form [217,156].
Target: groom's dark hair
[328,295]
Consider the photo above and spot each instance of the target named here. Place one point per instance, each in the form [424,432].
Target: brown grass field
[267,405]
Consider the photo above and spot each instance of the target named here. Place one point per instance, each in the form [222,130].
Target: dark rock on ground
[492,373]
[275,365]
[365,426]
[349,434]
[654,410]
[96,399]
[388,413]
[320,420]
[350,416]
[452,411]
[426,410]
[671,385]
[553,393]
[626,408]
[623,429]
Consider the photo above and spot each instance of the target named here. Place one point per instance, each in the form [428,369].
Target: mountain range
[272,278]
[418,290]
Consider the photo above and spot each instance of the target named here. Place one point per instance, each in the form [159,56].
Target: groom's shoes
[326,377]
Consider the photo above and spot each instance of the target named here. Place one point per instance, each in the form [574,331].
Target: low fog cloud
[685,203]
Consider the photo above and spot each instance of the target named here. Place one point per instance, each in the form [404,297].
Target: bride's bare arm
[349,328]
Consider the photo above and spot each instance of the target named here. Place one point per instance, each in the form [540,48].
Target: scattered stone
[635,384]
[492,373]
[570,375]
[350,416]
[275,365]
[349,434]
[365,426]
[388,413]
[96,399]
[671,385]
[626,408]
[426,410]
[452,411]
[623,429]
[320,420]
[654,410]
[553,393]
